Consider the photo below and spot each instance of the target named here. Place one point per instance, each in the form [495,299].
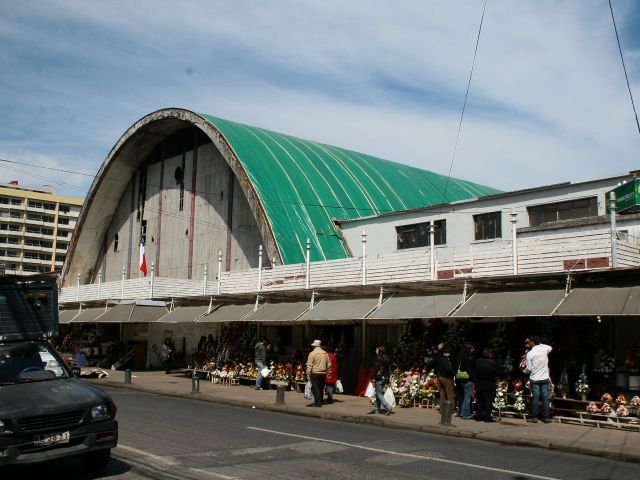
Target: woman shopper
[464,386]
[485,375]
[332,377]
[380,378]
[445,377]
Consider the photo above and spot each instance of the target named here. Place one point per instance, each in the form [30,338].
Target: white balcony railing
[547,254]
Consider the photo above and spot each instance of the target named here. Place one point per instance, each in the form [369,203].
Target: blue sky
[548,101]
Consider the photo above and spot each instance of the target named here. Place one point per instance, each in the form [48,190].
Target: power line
[624,67]
[48,168]
[464,105]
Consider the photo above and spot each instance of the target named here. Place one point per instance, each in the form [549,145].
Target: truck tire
[96,460]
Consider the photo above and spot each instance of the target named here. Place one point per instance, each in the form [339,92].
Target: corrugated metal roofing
[302,185]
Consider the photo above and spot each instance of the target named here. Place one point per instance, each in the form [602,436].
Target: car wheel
[96,460]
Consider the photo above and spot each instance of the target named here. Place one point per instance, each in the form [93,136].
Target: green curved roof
[303,185]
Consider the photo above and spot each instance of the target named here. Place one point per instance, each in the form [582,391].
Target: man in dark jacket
[445,376]
[485,373]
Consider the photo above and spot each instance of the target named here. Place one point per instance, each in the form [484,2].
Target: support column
[153,275]
[307,280]
[432,242]
[514,240]
[614,233]
[364,257]
[219,271]
[124,273]
[259,268]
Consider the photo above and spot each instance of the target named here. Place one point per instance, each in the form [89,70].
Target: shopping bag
[339,388]
[265,372]
[389,397]
[308,394]
[370,392]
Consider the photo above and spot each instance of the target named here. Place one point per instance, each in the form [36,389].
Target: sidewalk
[603,442]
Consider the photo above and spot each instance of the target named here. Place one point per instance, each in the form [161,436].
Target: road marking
[409,455]
[170,462]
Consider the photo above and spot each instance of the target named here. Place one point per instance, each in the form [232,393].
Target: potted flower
[582,386]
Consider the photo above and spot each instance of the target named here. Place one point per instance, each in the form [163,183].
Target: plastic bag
[265,372]
[389,397]
[308,393]
[339,388]
[370,392]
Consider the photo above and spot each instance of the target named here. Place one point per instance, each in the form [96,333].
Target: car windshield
[29,362]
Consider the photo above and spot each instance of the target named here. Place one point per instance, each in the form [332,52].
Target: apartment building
[35,228]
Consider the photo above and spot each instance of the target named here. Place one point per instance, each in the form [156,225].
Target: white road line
[410,455]
[170,462]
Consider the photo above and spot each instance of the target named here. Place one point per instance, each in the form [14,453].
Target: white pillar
[514,240]
[307,281]
[99,283]
[153,276]
[364,257]
[614,237]
[204,282]
[259,270]
[432,242]
[124,273]
[219,271]
[77,287]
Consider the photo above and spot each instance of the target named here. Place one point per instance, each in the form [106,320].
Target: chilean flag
[143,258]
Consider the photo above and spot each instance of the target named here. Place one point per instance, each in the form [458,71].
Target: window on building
[14,228]
[62,233]
[552,212]
[64,209]
[34,204]
[487,225]
[62,221]
[15,214]
[36,218]
[16,201]
[59,258]
[49,206]
[417,235]
[4,200]
[115,243]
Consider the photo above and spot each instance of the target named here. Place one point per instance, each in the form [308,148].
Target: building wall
[381,230]
[35,228]
[185,230]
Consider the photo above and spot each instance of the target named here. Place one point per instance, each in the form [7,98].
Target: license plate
[51,439]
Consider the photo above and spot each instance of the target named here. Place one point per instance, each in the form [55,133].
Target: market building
[248,232]
[35,228]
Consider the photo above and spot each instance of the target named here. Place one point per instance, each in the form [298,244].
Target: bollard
[127,376]
[445,414]
[195,384]
[280,395]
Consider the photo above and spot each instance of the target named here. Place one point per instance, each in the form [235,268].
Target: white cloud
[548,100]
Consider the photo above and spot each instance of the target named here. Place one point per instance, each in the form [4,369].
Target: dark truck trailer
[46,412]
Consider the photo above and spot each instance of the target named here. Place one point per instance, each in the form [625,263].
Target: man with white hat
[318,367]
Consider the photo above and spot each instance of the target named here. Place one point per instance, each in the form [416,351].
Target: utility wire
[624,66]
[464,105]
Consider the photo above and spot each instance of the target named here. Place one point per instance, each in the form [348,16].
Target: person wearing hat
[318,367]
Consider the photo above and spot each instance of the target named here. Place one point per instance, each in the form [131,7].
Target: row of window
[488,226]
[30,255]
[35,204]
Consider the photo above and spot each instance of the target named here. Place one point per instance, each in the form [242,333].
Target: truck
[46,411]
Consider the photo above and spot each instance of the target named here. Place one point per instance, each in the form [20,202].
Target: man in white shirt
[537,366]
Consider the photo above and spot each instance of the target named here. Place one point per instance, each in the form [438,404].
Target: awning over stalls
[230,312]
[513,303]
[184,314]
[341,309]
[279,312]
[622,300]
[89,315]
[117,314]
[65,316]
[147,313]
[425,305]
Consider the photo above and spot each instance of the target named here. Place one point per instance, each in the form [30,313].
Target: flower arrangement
[500,400]
[606,398]
[607,364]
[414,384]
[593,407]
[518,404]
[632,362]
[582,385]
[622,411]
[635,401]
[606,408]
[300,375]
[621,399]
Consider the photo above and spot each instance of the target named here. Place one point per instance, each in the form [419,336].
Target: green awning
[417,306]
[90,315]
[230,312]
[511,303]
[341,309]
[622,300]
[279,312]
[184,314]
[65,316]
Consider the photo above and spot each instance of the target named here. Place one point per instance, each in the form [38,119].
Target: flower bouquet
[607,398]
[606,408]
[621,399]
[622,411]
[582,385]
[518,404]
[500,400]
[593,407]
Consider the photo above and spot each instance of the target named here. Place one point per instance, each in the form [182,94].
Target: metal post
[614,236]
[204,283]
[219,271]
[99,283]
[364,257]
[514,240]
[124,271]
[432,242]
[307,280]
[260,268]
[195,383]
[127,375]
[153,276]
[78,287]
[280,389]
[445,414]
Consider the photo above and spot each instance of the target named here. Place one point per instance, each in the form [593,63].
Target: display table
[568,407]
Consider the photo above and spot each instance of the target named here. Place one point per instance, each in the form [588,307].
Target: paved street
[166,438]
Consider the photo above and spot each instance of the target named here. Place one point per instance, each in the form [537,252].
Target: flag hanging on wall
[143,258]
